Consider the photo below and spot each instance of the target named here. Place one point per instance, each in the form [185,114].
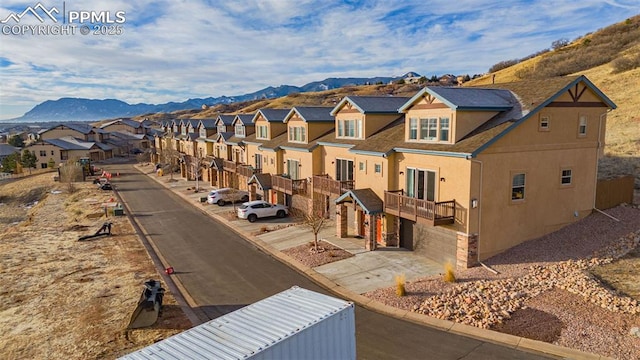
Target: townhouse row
[458,174]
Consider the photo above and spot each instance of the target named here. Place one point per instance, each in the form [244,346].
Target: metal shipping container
[294,324]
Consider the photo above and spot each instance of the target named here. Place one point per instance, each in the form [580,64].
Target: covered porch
[366,210]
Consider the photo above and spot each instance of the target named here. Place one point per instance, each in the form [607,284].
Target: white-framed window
[297,134]
[221,128]
[362,166]
[582,125]
[350,128]
[444,129]
[566,177]
[258,161]
[262,132]
[413,129]
[239,130]
[344,170]
[203,133]
[293,169]
[518,186]
[43,153]
[544,123]
[421,184]
[377,168]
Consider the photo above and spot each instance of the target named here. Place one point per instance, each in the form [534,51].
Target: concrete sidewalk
[354,276]
[365,271]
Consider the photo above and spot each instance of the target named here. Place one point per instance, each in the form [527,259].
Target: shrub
[449,274]
[400,288]
[625,63]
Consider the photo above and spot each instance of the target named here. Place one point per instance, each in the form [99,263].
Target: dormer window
[184,131]
[240,130]
[262,132]
[350,129]
[297,134]
[429,129]
[203,133]
[221,128]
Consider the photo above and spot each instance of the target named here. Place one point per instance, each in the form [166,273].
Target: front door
[406,234]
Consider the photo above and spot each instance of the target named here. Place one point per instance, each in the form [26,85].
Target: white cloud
[174,50]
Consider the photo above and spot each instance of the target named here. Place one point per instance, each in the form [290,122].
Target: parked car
[227,195]
[254,210]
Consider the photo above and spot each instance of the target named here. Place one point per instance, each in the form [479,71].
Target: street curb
[507,340]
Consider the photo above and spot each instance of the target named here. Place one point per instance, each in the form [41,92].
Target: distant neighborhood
[457,174]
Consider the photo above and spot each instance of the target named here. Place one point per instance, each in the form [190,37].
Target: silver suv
[227,195]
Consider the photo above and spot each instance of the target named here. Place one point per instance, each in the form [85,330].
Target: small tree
[171,157]
[316,216]
[10,162]
[51,163]
[16,141]
[28,160]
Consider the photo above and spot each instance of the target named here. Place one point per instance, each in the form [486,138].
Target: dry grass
[65,299]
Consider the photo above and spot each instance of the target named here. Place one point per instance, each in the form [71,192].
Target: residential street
[222,272]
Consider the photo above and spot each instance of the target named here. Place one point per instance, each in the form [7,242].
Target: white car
[253,210]
[227,195]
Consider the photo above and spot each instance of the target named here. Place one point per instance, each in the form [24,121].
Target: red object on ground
[169,270]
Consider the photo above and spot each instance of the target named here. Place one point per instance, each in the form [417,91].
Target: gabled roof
[263,180]
[217,164]
[192,122]
[365,198]
[225,119]
[70,143]
[6,149]
[207,123]
[312,113]
[271,115]
[246,119]
[224,136]
[125,135]
[372,104]
[465,98]
[79,127]
[131,123]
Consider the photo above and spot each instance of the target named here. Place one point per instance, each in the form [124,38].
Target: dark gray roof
[216,163]
[193,136]
[263,180]
[208,123]
[226,119]
[225,135]
[313,113]
[373,104]
[365,198]
[6,149]
[79,127]
[247,119]
[70,143]
[273,115]
[192,122]
[467,98]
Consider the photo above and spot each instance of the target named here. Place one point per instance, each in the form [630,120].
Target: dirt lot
[61,298]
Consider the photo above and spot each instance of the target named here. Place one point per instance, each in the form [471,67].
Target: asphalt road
[222,272]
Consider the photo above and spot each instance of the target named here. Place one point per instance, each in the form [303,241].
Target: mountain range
[79,109]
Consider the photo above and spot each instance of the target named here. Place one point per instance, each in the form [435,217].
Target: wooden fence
[613,192]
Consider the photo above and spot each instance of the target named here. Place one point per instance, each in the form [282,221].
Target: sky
[160,51]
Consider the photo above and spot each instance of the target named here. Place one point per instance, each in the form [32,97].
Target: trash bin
[203,199]
[118,211]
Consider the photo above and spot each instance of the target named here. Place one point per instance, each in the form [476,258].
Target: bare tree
[70,173]
[316,217]
[170,156]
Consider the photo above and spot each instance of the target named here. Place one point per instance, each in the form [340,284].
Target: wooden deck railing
[418,210]
[325,185]
[289,186]
[229,165]
[247,170]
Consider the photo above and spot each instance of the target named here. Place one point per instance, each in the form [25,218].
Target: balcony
[289,186]
[247,170]
[229,165]
[418,210]
[325,185]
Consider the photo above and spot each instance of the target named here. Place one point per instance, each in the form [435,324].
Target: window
[444,129]
[203,133]
[344,170]
[262,132]
[292,169]
[350,128]
[43,165]
[258,162]
[43,153]
[52,152]
[297,134]
[582,126]
[517,187]
[239,130]
[413,129]
[544,123]
[222,128]
[361,166]
[421,184]
[428,129]
[377,168]
[565,177]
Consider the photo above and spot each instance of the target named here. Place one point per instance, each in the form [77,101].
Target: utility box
[294,324]
[118,211]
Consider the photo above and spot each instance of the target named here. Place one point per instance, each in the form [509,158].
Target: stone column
[341,221]
[252,192]
[467,250]
[369,232]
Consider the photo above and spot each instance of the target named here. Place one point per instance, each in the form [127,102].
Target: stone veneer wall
[467,250]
